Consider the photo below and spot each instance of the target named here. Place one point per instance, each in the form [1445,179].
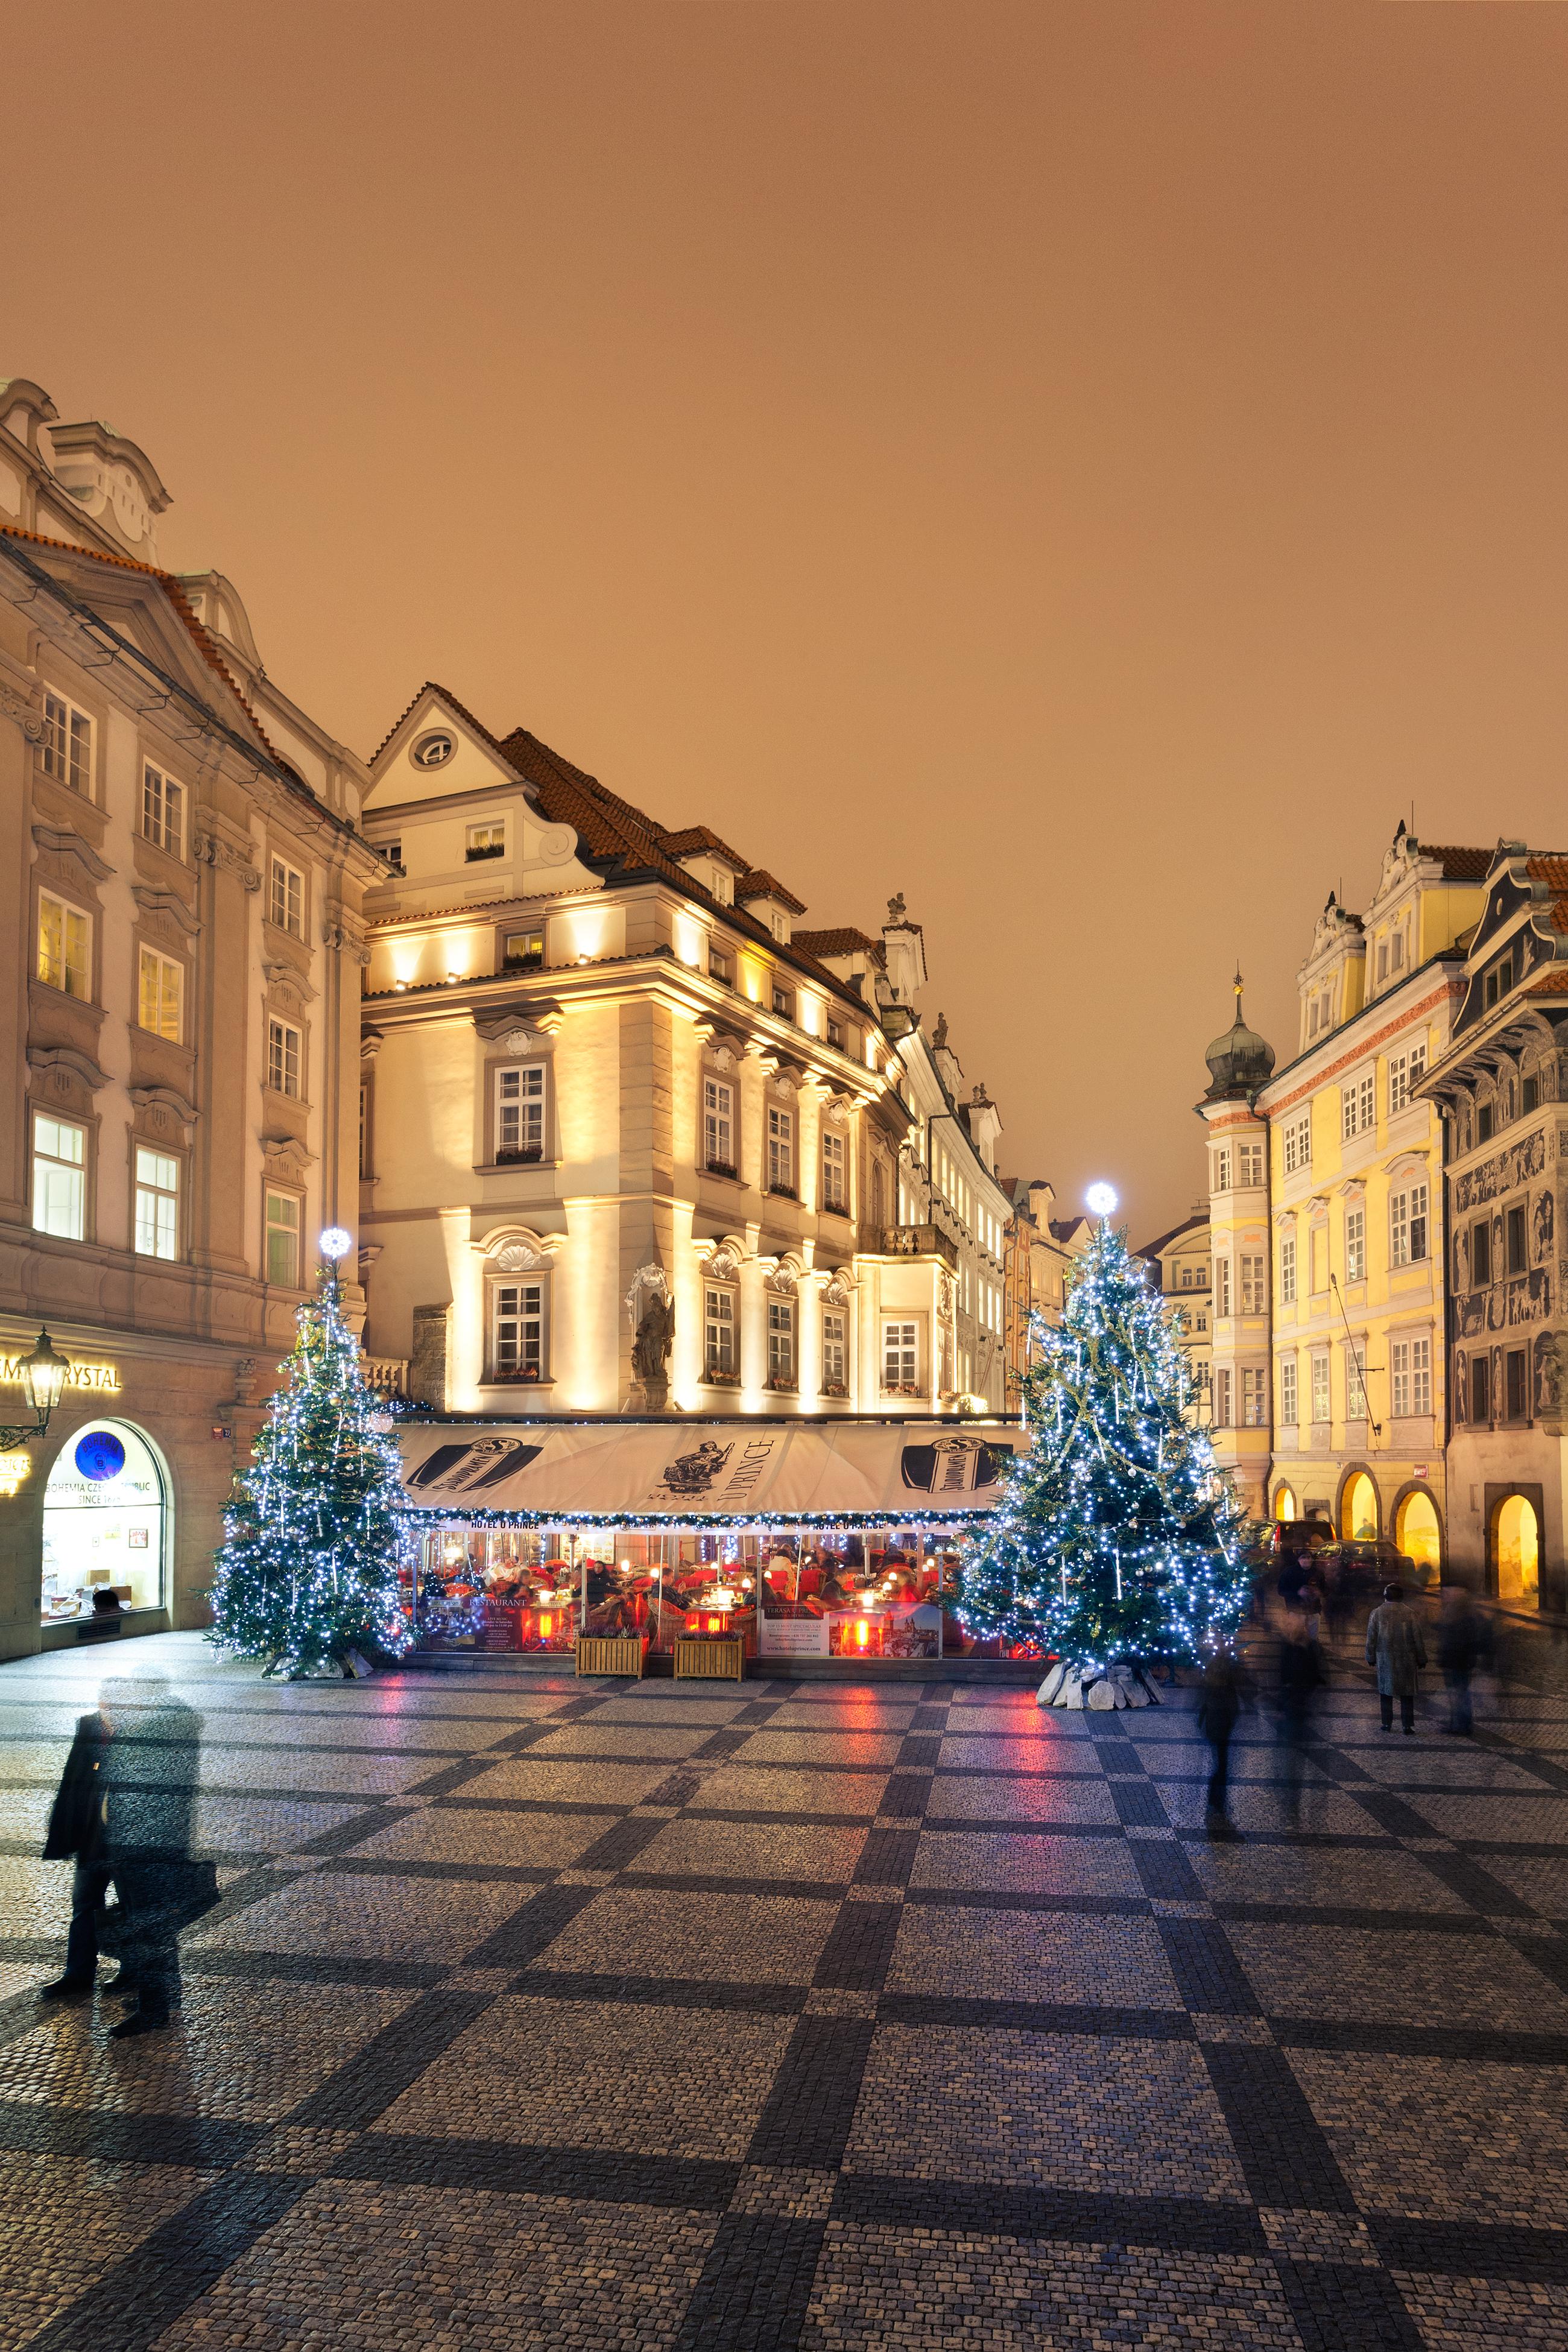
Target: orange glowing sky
[1090,467]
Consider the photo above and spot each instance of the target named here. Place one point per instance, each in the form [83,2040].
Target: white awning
[899,1473]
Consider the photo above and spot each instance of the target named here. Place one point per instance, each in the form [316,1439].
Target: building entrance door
[1516,1551]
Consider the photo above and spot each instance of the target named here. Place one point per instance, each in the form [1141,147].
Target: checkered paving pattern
[799,2019]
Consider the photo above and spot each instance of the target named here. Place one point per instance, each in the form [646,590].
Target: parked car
[1374,1562]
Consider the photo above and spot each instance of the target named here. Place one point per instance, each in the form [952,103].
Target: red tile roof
[1549,869]
[760,884]
[691,838]
[845,941]
[1549,984]
[1460,865]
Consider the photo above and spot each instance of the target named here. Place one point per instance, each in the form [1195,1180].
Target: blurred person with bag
[1397,1646]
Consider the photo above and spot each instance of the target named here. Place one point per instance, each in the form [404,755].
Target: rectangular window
[65,946]
[1408,1225]
[162,810]
[283,1240]
[1421,1376]
[522,951]
[1481,1389]
[1481,1255]
[520,1113]
[1288,1271]
[1319,1387]
[901,1358]
[392,851]
[159,986]
[835,1172]
[1398,1082]
[282,1057]
[784,1003]
[1513,1375]
[1287,1408]
[719,967]
[1298,1145]
[67,744]
[834,1353]
[1347,1112]
[59,1178]
[1355,1245]
[1222,1396]
[286,903]
[836,1033]
[1251,1163]
[721,1350]
[781,1152]
[1530,1100]
[1484,1121]
[157,1203]
[1518,1258]
[485,841]
[1356,1405]
[1400,1377]
[1222,1171]
[1366,1107]
[719,1127]
[517,1331]
[1252,1286]
[781,1343]
[1253,1398]
[1221,1285]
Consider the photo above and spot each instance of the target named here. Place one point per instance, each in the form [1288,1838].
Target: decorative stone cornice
[166,902]
[226,856]
[16,706]
[66,1062]
[60,843]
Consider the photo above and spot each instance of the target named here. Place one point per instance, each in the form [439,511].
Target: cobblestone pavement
[600,2015]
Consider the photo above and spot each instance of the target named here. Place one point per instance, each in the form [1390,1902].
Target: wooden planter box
[610,1654]
[714,1658]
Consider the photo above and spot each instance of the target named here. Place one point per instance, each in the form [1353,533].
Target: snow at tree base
[1117,1542]
[317,1531]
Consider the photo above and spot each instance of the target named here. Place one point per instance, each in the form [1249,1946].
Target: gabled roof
[1460,865]
[692,838]
[432,686]
[1188,1225]
[759,884]
[844,941]
[1551,869]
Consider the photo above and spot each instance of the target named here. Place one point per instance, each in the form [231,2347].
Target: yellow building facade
[1326,1211]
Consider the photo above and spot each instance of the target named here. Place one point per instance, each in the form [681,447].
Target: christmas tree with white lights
[1117,1543]
[317,1529]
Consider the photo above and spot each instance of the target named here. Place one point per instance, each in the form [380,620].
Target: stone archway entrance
[1516,1551]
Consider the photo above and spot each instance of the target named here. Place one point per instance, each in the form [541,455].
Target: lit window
[1355,1245]
[162,810]
[1222,1396]
[157,1203]
[781,1150]
[519,1112]
[282,1057]
[901,1358]
[719,1125]
[64,944]
[523,950]
[517,1330]
[835,1352]
[59,1178]
[160,985]
[286,900]
[1253,1398]
[283,1240]
[720,1354]
[835,1172]
[486,840]
[67,744]
[719,967]
[781,1343]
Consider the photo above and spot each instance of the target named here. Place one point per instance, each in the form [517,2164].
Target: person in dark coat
[1397,1646]
[1219,1704]
[1302,1676]
[1463,1641]
[123,1815]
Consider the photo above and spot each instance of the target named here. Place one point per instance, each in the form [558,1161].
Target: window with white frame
[60,1177]
[65,946]
[160,988]
[1299,1144]
[1398,1082]
[1222,1396]
[1407,1222]
[1355,1245]
[517,1331]
[162,810]
[1411,1376]
[719,1127]
[722,885]
[1253,1285]
[282,1057]
[835,1351]
[781,1150]
[1288,1270]
[519,1112]
[720,967]
[1221,1285]
[1357,1110]
[1222,1169]
[1287,1398]
[835,1171]
[720,1337]
[781,1343]
[901,1358]
[67,747]
[1319,1387]
[157,1203]
[283,1218]
[1357,1407]
[1250,1167]
[285,901]
[1254,1397]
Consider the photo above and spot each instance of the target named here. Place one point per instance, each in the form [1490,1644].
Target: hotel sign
[105,1378]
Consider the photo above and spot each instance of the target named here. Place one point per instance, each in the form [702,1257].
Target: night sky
[1090,467]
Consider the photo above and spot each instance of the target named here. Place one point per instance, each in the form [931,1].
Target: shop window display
[103,1523]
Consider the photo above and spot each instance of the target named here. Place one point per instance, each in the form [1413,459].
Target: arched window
[1516,1545]
[1285,1506]
[104,1522]
[1417,1533]
[1358,1510]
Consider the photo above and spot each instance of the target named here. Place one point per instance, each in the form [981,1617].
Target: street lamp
[44,1375]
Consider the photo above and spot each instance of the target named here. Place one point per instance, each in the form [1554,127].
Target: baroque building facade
[633,1134]
[1181,1269]
[1329,1392]
[180,1026]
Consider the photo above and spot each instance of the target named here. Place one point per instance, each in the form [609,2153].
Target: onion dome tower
[1240,1062]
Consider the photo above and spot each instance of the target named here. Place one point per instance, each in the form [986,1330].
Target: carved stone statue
[654,1339]
[1549,1376]
[896,908]
[938,1035]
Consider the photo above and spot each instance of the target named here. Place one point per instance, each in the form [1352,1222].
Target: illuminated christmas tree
[316,1530]
[1117,1543]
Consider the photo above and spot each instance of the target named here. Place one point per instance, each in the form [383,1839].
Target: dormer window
[486,840]
[781,928]
[722,885]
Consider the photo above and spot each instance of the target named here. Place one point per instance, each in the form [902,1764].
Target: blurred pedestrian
[1219,1704]
[1338,1597]
[1302,1676]
[1397,1646]
[1463,1640]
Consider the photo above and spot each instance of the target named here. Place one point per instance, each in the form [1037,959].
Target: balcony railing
[387,1375]
[919,1241]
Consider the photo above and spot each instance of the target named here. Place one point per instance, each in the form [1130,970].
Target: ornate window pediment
[285,1159]
[516,1249]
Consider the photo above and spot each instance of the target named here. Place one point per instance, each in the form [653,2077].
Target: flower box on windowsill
[836,1208]
[528,1156]
[782,1388]
[523,963]
[721,1167]
[784,1192]
[835,1389]
[523,1377]
[712,1380]
[902,1387]
[490,849]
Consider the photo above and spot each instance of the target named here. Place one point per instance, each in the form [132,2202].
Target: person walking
[1302,1676]
[76,1834]
[1397,1646]
[1219,1704]
[1462,1643]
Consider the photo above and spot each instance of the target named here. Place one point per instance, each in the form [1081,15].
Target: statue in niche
[653,1338]
[1545,1225]
[1549,1377]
